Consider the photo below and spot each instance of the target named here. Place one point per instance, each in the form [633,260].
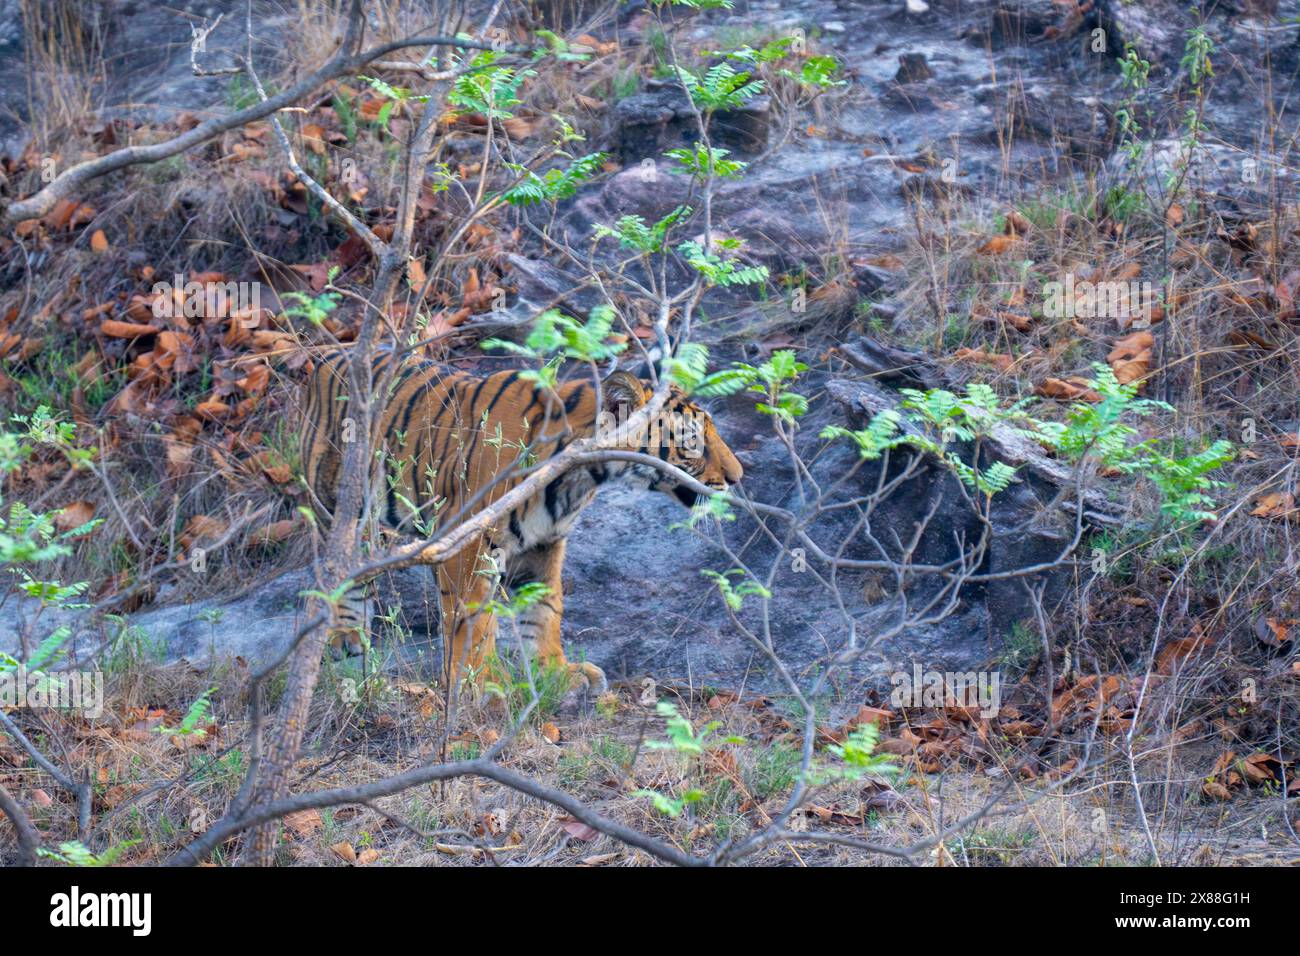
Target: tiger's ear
[622,390]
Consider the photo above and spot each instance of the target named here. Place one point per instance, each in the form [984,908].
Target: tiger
[447,437]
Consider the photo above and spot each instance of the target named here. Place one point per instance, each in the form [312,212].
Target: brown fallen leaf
[998,245]
[1067,390]
[74,515]
[1001,362]
[550,732]
[1261,768]
[99,241]
[1275,505]
[1021,323]
[579,830]
[313,137]
[345,852]
[115,329]
[1131,346]
[304,823]
[1216,790]
[271,534]
[1176,652]
[1016,224]
[1275,631]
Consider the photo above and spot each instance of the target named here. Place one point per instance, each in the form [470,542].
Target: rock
[1044,475]
[1017,22]
[912,68]
[661,118]
[1220,173]
[1156,28]
[889,365]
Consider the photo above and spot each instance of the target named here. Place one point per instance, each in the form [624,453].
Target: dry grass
[156,789]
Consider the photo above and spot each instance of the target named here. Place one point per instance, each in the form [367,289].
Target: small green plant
[1100,430]
[720,271]
[720,87]
[734,594]
[857,758]
[705,161]
[488,88]
[684,740]
[199,713]
[564,337]
[314,308]
[75,853]
[633,233]
[772,379]
[554,184]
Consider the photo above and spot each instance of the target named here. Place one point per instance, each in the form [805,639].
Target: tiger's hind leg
[539,623]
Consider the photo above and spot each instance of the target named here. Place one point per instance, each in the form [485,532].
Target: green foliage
[697,4]
[1196,57]
[689,367]
[817,72]
[556,334]
[520,600]
[704,161]
[686,741]
[633,233]
[717,270]
[771,379]
[936,418]
[857,759]
[768,53]
[1184,483]
[719,87]
[314,308]
[199,713]
[75,853]
[880,435]
[46,653]
[559,48]
[394,95]
[550,679]
[488,88]
[1096,430]
[553,185]
[29,538]
[734,594]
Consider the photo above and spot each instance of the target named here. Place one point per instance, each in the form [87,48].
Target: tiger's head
[683,434]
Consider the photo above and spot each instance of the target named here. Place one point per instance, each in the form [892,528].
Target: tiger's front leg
[539,624]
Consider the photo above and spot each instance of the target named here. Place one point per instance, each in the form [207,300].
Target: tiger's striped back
[443,435]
